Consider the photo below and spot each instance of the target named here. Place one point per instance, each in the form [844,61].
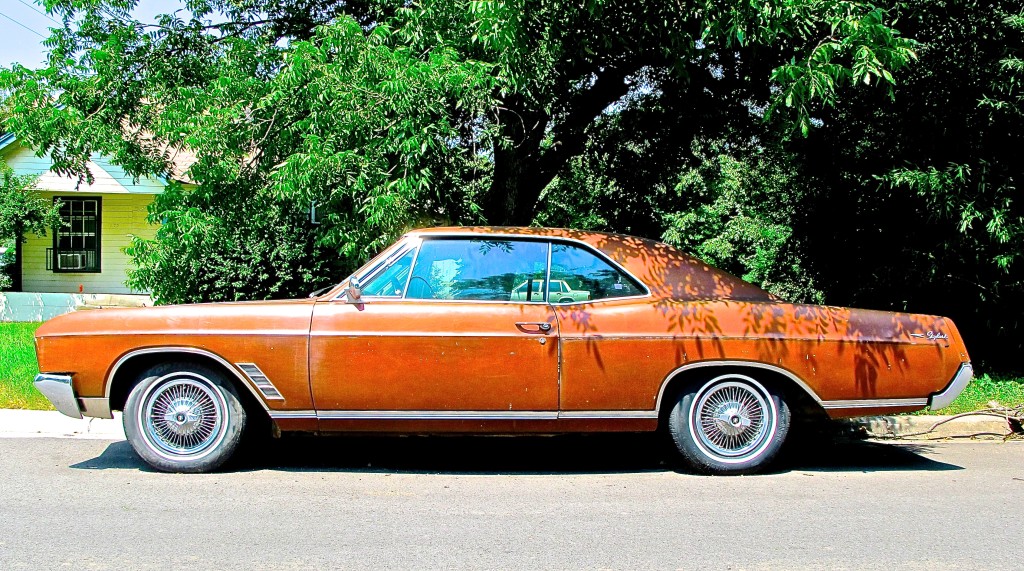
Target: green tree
[740,204]
[918,206]
[22,212]
[388,114]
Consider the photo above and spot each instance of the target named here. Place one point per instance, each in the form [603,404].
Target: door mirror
[354,291]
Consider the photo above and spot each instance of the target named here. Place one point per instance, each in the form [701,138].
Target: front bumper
[956,386]
[58,389]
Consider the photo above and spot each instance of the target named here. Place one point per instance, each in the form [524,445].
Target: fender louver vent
[260,380]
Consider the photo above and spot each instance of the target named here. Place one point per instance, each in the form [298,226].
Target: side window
[390,282]
[487,270]
[585,276]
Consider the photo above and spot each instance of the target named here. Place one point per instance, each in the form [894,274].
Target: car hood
[287,316]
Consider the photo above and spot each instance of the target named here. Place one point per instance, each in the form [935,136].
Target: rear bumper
[943,398]
[58,389]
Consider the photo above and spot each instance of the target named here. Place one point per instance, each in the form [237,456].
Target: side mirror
[354,291]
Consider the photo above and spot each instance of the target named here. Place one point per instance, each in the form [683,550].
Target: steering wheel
[425,282]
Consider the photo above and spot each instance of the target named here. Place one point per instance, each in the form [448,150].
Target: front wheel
[184,418]
[731,424]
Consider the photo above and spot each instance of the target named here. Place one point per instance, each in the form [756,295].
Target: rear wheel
[184,417]
[731,424]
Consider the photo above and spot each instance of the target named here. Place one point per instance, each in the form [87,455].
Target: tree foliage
[386,115]
[921,208]
[21,212]
[739,207]
[907,201]
[804,145]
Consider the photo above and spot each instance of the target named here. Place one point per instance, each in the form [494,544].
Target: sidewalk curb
[931,427]
[52,424]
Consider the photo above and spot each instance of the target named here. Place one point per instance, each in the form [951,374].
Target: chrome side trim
[462,415]
[679,337]
[436,415]
[943,398]
[292,414]
[326,333]
[873,403]
[547,280]
[261,381]
[197,332]
[410,300]
[58,389]
[600,414]
[754,364]
[188,350]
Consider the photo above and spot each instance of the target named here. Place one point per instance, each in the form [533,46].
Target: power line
[38,11]
[22,25]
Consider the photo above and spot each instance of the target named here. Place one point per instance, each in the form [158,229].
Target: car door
[606,356]
[440,334]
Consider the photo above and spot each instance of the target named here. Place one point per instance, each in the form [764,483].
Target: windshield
[368,267]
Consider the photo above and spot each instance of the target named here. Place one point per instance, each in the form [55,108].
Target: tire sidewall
[233,424]
[697,458]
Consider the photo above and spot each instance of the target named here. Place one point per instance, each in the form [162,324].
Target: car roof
[668,272]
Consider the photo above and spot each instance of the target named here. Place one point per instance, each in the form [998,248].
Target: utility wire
[22,25]
[38,11]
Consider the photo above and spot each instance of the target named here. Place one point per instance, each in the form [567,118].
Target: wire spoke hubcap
[183,417]
[733,421]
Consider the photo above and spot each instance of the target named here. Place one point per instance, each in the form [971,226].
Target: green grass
[1008,392]
[18,367]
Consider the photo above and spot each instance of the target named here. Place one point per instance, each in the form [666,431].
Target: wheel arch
[125,372]
[798,393]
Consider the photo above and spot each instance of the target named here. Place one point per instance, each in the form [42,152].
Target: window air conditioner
[72,261]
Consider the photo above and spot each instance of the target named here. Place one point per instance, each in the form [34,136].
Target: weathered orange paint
[274,334]
[326,355]
[433,355]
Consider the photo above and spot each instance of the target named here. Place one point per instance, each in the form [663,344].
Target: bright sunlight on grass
[18,367]
[984,389]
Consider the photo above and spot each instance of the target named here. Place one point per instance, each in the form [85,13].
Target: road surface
[595,502]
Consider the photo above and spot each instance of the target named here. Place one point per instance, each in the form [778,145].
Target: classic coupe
[434,336]
[558,290]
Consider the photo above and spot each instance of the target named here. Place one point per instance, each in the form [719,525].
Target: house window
[76,244]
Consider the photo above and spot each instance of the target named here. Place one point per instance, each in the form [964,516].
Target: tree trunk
[517,184]
[521,168]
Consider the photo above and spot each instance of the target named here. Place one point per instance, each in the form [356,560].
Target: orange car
[428,338]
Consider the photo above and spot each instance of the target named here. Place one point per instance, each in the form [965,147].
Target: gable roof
[6,139]
[180,160]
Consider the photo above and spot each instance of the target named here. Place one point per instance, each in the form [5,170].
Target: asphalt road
[605,502]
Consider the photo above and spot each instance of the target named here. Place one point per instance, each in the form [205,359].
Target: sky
[24,24]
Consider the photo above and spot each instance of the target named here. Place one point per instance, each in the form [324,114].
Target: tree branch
[569,134]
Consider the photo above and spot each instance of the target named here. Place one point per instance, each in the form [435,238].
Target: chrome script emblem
[930,335]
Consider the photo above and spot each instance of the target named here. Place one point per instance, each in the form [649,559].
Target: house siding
[122,216]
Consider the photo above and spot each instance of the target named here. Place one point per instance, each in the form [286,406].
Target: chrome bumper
[953,390]
[58,389]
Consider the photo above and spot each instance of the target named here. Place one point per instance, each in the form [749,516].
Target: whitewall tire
[731,424]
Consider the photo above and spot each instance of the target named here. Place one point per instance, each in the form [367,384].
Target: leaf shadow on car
[564,454]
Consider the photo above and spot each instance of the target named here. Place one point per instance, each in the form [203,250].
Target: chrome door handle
[542,326]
